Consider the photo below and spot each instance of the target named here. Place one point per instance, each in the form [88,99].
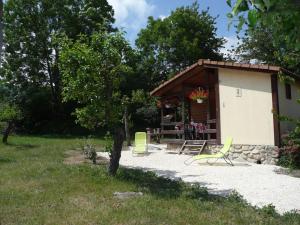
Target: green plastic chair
[222,154]
[140,143]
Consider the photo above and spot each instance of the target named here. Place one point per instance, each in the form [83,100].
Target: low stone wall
[262,154]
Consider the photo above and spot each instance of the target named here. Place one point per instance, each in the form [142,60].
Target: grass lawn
[36,187]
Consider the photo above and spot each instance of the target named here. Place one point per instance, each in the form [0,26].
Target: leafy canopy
[9,111]
[259,44]
[31,28]
[171,44]
[31,53]
[284,13]
[93,69]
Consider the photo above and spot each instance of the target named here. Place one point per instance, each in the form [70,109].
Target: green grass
[36,187]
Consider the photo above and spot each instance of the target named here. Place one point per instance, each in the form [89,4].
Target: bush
[269,210]
[290,154]
[89,151]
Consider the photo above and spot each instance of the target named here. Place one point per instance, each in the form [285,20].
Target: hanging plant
[159,104]
[199,95]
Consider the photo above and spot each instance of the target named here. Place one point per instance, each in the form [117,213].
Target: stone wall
[262,154]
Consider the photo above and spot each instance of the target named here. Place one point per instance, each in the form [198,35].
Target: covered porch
[182,116]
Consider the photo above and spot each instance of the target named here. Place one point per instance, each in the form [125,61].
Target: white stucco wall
[247,118]
[288,107]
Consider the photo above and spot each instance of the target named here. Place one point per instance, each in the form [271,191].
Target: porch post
[183,112]
[162,118]
[208,117]
[218,116]
[275,104]
[161,114]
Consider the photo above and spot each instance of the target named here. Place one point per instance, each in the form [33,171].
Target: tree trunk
[1,29]
[7,132]
[127,131]
[116,151]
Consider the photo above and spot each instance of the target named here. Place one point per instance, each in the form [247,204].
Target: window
[288,91]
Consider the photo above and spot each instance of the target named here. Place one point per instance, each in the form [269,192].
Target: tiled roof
[231,65]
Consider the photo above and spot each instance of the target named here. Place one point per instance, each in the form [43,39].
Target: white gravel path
[258,184]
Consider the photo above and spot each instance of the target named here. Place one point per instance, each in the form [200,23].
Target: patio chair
[222,154]
[140,143]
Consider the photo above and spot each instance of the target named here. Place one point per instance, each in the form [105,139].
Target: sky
[131,15]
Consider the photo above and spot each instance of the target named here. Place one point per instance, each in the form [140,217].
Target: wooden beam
[172,132]
[218,110]
[183,112]
[275,104]
[162,118]
[170,84]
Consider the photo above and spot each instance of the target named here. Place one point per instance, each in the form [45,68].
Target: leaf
[229,15]
[228,2]
[236,9]
[252,18]
[241,23]
[244,6]
[269,4]
[259,4]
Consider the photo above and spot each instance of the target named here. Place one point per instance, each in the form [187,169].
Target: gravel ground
[258,184]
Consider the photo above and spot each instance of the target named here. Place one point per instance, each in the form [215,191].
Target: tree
[282,15]
[1,30]
[171,44]
[259,44]
[10,113]
[134,102]
[93,69]
[31,52]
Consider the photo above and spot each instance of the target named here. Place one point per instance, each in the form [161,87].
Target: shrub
[269,210]
[290,154]
[89,151]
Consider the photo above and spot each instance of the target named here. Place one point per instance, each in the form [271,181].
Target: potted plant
[198,95]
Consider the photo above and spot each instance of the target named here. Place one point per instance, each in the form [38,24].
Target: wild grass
[36,187]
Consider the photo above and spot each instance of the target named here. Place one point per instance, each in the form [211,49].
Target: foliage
[31,28]
[272,35]
[171,44]
[284,13]
[1,30]
[290,151]
[9,112]
[36,186]
[270,210]
[259,44]
[290,154]
[108,147]
[9,108]
[89,150]
[92,70]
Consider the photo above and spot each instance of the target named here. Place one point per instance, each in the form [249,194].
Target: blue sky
[132,15]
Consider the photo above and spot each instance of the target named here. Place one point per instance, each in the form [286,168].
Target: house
[243,102]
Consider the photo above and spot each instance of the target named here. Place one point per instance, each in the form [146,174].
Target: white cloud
[162,17]
[131,14]
[232,42]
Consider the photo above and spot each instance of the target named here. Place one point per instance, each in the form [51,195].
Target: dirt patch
[74,157]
